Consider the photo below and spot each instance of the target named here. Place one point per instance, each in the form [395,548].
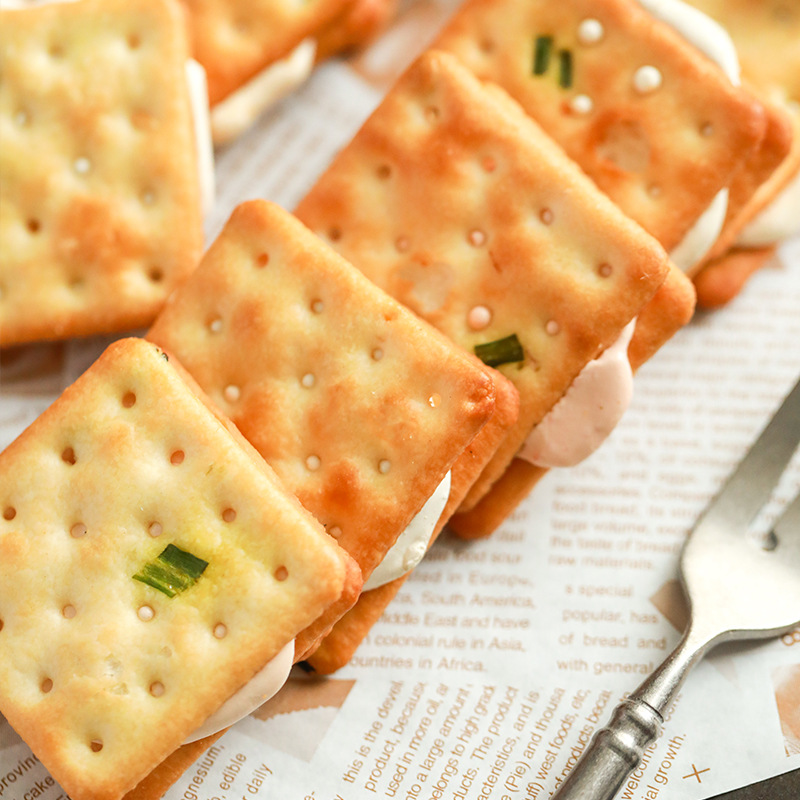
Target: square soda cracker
[767,38]
[234,40]
[359,407]
[656,124]
[101,210]
[455,202]
[339,646]
[102,673]
[670,309]
[766,34]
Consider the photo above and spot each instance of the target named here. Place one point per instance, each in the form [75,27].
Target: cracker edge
[340,645]
[669,310]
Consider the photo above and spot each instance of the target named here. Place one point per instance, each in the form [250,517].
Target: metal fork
[735,589]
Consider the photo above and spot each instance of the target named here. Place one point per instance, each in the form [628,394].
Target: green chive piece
[173,571]
[564,69]
[501,351]
[541,57]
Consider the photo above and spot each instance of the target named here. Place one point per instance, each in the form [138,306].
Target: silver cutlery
[736,590]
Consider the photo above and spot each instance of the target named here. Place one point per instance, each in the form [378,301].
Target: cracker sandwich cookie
[101,194]
[151,564]
[376,421]
[657,124]
[766,35]
[257,51]
[454,201]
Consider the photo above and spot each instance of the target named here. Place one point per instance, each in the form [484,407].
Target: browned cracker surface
[766,34]
[356,26]
[767,38]
[104,675]
[100,213]
[154,786]
[359,407]
[762,175]
[723,278]
[661,155]
[513,486]
[236,39]
[347,634]
[451,198]
[670,309]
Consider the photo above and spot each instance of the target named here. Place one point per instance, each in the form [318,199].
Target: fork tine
[751,484]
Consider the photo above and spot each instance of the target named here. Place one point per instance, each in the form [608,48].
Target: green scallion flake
[172,572]
[565,69]
[541,56]
[501,351]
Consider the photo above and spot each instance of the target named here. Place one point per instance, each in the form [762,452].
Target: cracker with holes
[150,565]
[457,204]
[658,125]
[235,39]
[101,211]
[256,51]
[766,34]
[370,416]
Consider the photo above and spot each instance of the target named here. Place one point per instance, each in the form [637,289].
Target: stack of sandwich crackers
[456,306]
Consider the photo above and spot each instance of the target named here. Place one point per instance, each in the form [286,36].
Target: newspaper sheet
[499,659]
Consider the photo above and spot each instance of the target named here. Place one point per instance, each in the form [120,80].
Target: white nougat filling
[265,684]
[702,235]
[198,98]
[712,39]
[700,30]
[412,543]
[237,112]
[406,553]
[585,416]
[779,220]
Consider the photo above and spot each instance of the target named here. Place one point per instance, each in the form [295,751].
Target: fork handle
[616,750]
[613,754]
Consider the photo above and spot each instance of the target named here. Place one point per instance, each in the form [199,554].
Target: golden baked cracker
[766,34]
[235,39]
[336,650]
[168,771]
[309,638]
[359,407]
[360,22]
[654,123]
[153,786]
[723,278]
[514,485]
[150,564]
[455,202]
[670,309]
[339,646]
[100,213]
[762,176]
